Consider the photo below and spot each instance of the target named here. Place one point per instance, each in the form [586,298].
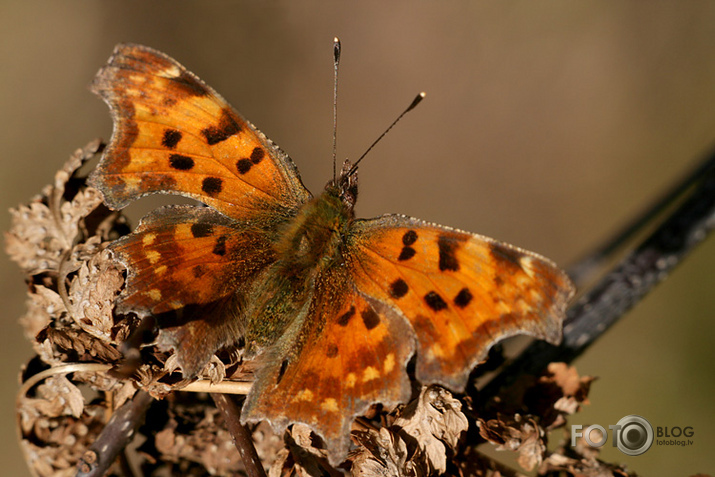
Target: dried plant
[95,374]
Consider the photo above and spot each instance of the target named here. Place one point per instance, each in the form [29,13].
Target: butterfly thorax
[309,243]
[312,239]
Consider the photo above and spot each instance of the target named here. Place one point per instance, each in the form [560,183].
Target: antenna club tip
[336,50]
[416,101]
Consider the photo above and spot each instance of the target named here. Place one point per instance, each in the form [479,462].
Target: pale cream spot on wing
[330,405]
[154,294]
[350,380]
[148,239]
[132,182]
[389,363]
[524,307]
[153,256]
[369,374]
[160,270]
[437,351]
[304,395]
[527,263]
[132,92]
[523,280]
[536,295]
[503,308]
[171,71]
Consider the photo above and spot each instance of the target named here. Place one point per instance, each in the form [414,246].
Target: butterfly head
[346,185]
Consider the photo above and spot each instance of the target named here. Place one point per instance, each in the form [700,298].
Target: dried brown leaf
[433,420]
[517,434]
[34,241]
[208,444]
[384,453]
[79,345]
[573,388]
[307,458]
[92,293]
[582,465]
[43,304]
[214,370]
[44,230]
[56,397]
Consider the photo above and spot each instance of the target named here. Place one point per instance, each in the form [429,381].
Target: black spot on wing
[220,247]
[282,371]
[190,85]
[171,138]
[409,238]
[212,185]
[257,155]
[406,253]
[181,163]
[370,318]
[198,271]
[199,230]
[447,254]
[398,288]
[331,351]
[243,165]
[227,127]
[345,317]
[463,298]
[434,301]
[506,259]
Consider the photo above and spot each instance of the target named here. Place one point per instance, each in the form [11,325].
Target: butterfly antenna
[412,105]
[336,62]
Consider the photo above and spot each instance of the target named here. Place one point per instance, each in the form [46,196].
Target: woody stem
[231,411]
[627,283]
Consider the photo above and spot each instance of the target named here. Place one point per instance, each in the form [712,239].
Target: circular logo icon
[635,436]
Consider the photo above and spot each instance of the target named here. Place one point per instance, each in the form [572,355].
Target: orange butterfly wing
[401,285]
[177,246]
[173,133]
[404,285]
[349,352]
[461,292]
[194,261]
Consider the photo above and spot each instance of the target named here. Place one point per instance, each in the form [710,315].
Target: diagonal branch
[628,282]
[118,432]
[242,438]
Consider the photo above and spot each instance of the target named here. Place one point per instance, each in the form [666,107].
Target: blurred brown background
[546,125]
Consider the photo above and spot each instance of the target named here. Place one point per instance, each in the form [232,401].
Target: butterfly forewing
[173,133]
[461,292]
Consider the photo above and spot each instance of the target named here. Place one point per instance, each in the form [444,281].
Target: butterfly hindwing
[461,292]
[349,352]
[187,255]
[174,134]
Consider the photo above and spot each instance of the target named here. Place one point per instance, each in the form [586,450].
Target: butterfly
[333,307]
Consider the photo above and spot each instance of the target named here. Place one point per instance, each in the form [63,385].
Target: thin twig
[115,436]
[626,284]
[242,438]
